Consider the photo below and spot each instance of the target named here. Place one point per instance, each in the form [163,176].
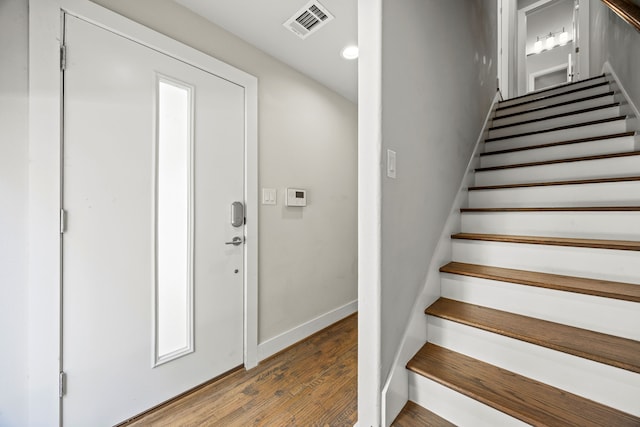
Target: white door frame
[45,171]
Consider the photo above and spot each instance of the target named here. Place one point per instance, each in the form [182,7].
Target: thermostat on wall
[296,197]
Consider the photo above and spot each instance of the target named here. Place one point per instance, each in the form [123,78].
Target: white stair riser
[455,407]
[599,114]
[587,131]
[591,148]
[587,225]
[605,264]
[550,111]
[516,108]
[602,383]
[605,315]
[602,194]
[560,89]
[586,169]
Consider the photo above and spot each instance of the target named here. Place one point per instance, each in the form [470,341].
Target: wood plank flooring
[312,383]
[413,415]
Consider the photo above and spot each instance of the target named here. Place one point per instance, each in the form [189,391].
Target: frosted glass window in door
[174,221]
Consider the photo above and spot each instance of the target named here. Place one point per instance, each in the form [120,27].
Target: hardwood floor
[312,383]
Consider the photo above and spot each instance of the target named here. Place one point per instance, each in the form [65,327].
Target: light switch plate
[269,196]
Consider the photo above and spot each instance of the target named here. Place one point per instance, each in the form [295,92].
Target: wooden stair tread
[622,353]
[551,183]
[581,285]
[557,116]
[414,415]
[552,88]
[523,398]
[558,128]
[560,104]
[556,209]
[555,144]
[623,245]
[555,95]
[557,161]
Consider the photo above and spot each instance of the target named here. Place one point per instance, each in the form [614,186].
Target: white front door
[153,160]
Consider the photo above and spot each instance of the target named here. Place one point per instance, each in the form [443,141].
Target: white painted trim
[44,270]
[299,333]
[504,51]
[608,69]
[45,359]
[584,71]
[369,211]
[396,388]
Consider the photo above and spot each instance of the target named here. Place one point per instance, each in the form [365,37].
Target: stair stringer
[395,392]
[622,95]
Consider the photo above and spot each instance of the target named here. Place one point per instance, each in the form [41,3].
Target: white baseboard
[395,392]
[292,336]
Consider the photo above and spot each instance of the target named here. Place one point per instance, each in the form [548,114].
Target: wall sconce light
[537,46]
[564,37]
[551,40]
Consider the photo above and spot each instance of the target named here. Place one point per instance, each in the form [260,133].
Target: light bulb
[537,46]
[551,42]
[564,37]
[350,52]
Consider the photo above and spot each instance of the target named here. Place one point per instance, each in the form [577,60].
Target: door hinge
[577,49]
[63,57]
[63,221]
[62,379]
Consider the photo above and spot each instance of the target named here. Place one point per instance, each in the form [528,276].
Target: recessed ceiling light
[350,52]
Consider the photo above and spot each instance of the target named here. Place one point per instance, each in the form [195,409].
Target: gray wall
[13,210]
[613,40]
[438,80]
[307,139]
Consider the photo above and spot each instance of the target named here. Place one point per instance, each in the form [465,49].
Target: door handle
[236,241]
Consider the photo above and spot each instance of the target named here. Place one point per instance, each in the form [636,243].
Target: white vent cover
[308,20]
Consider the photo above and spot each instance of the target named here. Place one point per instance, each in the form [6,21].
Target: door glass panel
[174,232]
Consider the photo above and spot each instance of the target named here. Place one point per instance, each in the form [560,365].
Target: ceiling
[259,22]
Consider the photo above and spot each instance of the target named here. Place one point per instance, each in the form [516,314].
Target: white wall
[617,42]
[13,211]
[552,17]
[307,139]
[438,81]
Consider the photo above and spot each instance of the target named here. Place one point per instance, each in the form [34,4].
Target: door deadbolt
[237,214]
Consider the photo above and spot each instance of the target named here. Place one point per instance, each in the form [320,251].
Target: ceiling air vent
[308,20]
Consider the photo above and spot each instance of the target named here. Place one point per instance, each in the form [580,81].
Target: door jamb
[582,65]
[45,138]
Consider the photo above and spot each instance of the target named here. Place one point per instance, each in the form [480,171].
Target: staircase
[539,317]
